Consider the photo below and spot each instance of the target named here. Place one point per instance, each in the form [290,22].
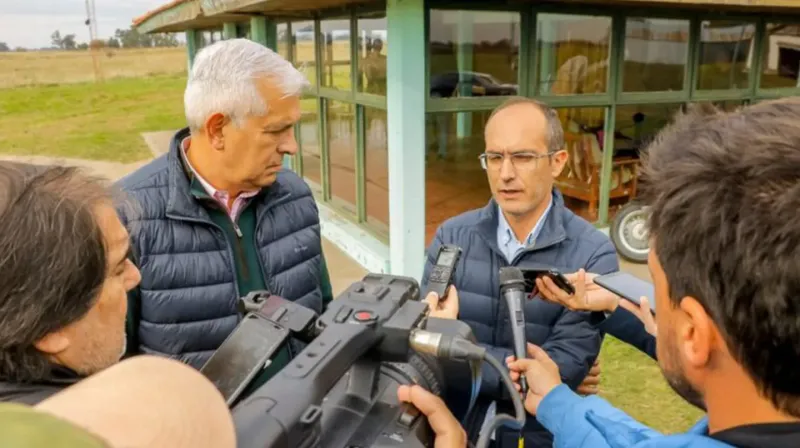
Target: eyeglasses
[520,160]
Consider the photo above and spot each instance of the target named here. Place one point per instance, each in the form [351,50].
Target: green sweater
[249,275]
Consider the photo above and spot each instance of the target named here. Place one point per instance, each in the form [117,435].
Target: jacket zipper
[240,251]
[264,272]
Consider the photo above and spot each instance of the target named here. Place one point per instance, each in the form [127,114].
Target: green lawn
[90,121]
[104,121]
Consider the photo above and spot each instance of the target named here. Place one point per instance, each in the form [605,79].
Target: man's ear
[697,334]
[213,130]
[53,343]
[557,162]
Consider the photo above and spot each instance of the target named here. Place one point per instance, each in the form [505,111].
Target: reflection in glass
[636,127]
[303,48]
[454,179]
[243,30]
[342,151]
[573,53]
[282,33]
[209,37]
[473,53]
[728,106]
[656,52]
[376,162]
[307,132]
[781,63]
[579,182]
[336,64]
[372,51]
[725,55]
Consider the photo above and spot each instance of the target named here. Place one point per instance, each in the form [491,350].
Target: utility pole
[95,45]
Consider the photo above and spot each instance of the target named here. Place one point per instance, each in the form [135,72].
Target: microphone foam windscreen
[511,275]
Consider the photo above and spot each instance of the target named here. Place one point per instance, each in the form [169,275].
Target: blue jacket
[566,243]
[188,292]
[591,422]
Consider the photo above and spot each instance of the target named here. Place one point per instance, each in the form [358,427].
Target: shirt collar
[508,234]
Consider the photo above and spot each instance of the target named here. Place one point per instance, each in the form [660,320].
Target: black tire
[629,233]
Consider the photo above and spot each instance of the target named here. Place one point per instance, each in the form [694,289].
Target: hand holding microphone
[512,288]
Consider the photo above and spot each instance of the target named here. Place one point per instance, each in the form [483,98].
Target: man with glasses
[527,225]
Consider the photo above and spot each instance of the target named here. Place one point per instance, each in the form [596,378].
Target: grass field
[91,121]
[51,106]
[60,67]
[52,110]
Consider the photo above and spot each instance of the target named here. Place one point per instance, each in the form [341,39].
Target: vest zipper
[240,251]
[266,277]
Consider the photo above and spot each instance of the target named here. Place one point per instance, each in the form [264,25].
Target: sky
[29,23]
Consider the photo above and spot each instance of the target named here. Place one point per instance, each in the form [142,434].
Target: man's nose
[134,278]
[289,145]
[507,171]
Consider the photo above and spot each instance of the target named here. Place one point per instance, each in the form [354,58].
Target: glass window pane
[636,127]
[573,53]
[342,151]
[336,64]
[781,64]
[282,31]
[308,133]
[372,51]
[243,30]
[725,55]
[303,48]
[579,181]
[656,51]
[454,179]
[473,53]
[376,161]
[728,106]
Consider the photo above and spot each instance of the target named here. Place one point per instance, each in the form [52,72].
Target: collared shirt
[508,243]
[220,196]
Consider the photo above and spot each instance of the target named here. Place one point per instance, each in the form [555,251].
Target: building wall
[616,76]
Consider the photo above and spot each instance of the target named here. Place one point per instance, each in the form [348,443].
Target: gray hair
[555,132]
[222,80]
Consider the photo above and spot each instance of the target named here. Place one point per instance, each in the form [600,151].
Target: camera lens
[421,369]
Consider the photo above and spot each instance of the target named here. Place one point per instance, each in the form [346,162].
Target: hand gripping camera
[341,389]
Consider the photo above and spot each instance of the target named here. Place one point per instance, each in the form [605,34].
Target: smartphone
[557,277]
[628,287]
[243,355]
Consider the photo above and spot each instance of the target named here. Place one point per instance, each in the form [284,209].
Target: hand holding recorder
[441,296]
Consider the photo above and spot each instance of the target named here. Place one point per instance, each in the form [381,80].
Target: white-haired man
[218,216]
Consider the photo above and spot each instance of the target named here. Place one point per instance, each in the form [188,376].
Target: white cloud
[30,23]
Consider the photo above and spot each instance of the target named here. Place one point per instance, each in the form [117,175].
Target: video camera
[341,390]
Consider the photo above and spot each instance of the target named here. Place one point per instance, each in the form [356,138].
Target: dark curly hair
[52,259]
[724,195]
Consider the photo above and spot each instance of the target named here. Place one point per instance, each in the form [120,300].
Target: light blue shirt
[507,241]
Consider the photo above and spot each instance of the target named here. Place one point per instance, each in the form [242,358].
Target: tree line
[129,38]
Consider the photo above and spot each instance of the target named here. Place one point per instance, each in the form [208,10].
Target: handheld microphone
[512,288]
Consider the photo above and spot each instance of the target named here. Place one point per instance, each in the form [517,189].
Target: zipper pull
[238,230]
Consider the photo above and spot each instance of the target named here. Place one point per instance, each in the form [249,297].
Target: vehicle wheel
[629,233]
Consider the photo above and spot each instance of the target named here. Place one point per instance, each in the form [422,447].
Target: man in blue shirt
[724,194]
[527,225]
